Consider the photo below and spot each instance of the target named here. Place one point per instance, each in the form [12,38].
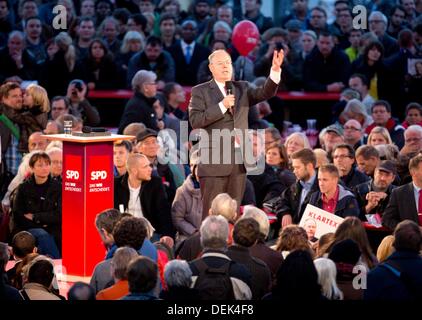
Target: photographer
[80,106]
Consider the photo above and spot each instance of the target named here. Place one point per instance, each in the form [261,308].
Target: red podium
[87,189]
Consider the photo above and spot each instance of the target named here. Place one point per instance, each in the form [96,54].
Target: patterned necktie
[188,54]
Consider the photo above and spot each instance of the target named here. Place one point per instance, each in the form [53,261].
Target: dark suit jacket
[155,206]
[401,206]
[205,113]
[186,74]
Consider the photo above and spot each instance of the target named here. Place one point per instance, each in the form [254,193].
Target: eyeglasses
[351,128]
[342,156]
[412,140]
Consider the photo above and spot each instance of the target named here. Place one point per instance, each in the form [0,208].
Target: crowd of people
[365,167]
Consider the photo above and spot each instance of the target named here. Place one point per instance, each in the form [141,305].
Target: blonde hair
[225,206]
[382,131]
[385,249]
[40,97]
[64,42]
[321,157]
[131,36]
[301,136]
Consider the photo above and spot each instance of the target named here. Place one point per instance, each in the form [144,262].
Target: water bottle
[67,125]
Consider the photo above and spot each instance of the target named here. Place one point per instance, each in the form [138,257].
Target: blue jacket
[386,284]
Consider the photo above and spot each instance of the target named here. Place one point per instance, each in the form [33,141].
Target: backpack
[214,283]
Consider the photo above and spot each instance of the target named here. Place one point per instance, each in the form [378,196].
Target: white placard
[324,221]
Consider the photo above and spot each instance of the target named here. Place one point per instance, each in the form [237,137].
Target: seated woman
[379,135]
[186,210]
[37,206]
[98,70]
[276,157]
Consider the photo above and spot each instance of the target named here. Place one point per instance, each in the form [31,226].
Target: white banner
[319,221]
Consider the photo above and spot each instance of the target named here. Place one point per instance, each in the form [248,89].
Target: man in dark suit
[142,195]
[214,108]
[188,54]
[406,201]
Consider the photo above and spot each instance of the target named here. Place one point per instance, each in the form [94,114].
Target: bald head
[37,142]
[352,132]
[139,168]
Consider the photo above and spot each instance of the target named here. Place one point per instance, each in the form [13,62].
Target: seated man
[333,197]
[142,195]
[344,159]
[412,139]
[381,113]
[406,201]
[214,235]
[399,277]
[373,195]
[292,202]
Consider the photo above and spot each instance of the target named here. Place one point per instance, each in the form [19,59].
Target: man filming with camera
[79,104]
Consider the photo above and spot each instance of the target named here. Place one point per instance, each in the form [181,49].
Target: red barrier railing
[290,96]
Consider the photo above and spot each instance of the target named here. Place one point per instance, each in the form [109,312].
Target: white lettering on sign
[95,175]
[72,174]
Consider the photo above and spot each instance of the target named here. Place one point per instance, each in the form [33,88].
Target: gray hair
[225,206]
[120,262]
[177,273]
[211,56]
[378,14]
[131,36]
[53,149]
[356,106]
[327,273]
[141,78]
[302,136]
[414,128]
[15,33]
[214,233]
[310,33]
[259,216]
[222,24]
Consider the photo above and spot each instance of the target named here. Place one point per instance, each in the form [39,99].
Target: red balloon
[245,37]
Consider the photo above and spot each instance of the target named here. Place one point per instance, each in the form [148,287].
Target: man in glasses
[353,134]
[344,159]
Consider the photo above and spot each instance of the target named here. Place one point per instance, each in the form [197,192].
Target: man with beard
[373,195]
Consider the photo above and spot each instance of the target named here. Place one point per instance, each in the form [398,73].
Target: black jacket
[138,109]
[362,190]
[402,206]
[346,203]
[154,203]
[354,178]
[46,207]
[261,274]
[290,199]
[186,74]
[267,186]
[318,71]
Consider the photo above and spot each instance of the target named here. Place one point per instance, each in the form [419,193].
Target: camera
[79,84]
[279,46]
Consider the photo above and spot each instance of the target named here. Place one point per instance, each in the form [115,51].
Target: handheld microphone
[88,129]
[229,87]
[229,90]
